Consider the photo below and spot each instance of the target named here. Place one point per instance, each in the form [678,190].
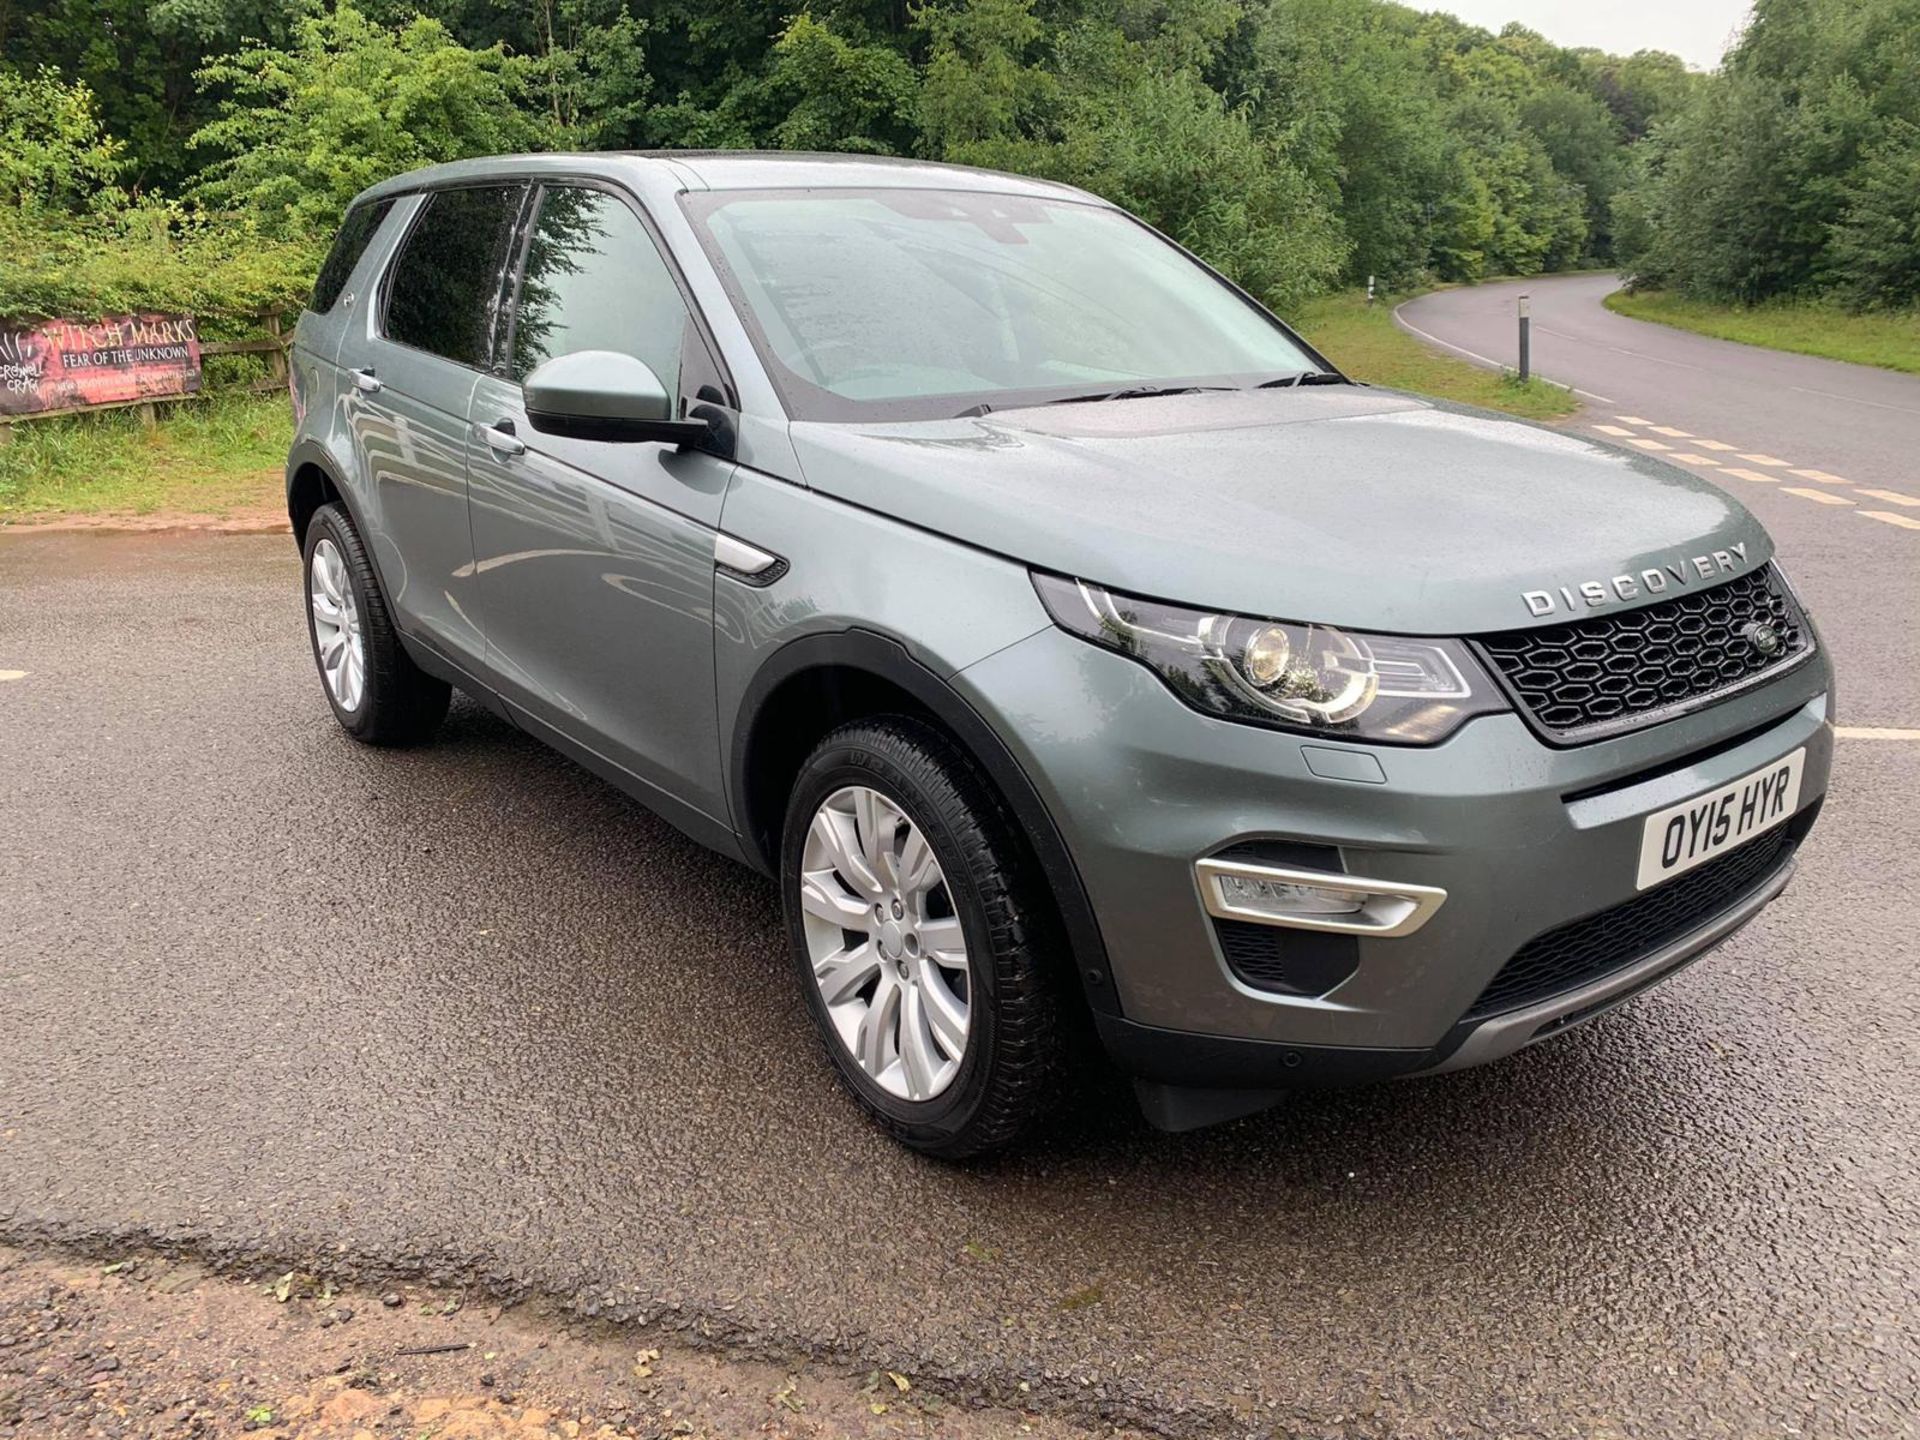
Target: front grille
[1609,673]
[1571,955]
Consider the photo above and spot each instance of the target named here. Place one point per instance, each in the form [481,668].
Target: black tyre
[378,694]
[917,930]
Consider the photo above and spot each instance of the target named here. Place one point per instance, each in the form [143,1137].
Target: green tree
[1782,174]
[986,77]
[53,153]
[348,102]
[833,93]
[1874,257]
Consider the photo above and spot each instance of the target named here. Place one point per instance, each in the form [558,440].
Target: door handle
[501,439]
[366,382]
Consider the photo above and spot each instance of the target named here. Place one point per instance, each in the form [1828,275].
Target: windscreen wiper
[1304,377]
[1135,392]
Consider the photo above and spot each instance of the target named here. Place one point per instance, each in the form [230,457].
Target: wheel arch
[815,683]
[313,480]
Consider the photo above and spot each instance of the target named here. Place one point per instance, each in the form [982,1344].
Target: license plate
[1676,839]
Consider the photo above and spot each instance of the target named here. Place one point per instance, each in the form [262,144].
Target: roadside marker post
[1526,339]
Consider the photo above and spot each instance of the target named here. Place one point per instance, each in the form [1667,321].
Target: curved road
[1827,454]
[464,1012]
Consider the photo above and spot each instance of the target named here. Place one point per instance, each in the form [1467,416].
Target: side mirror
[604,395]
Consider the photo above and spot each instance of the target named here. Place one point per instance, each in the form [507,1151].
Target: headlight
[1292,677]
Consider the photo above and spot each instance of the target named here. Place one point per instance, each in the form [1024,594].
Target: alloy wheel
[337,638]
[885,943]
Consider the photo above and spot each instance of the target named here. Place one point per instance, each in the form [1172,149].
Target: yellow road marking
[1696,459]
[1650,444]
[1873,732]
[1764,459]
[1711,444]
[1613,429]
[1632,420]
[1905,522]
[1823,497]
[1752,475]
[1892,495]
[1669,430]
[14,674]
[1823,476]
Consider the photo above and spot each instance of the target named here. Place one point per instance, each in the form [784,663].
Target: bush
[156,258]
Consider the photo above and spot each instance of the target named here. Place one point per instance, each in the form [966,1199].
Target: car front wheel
[912,916]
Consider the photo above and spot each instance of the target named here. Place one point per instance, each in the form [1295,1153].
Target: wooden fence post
[277,358]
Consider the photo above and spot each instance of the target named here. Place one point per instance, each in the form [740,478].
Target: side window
[594,281]
[443,293]
[356,233]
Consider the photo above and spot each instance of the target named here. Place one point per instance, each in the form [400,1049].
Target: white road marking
[1825,477]
[1873,732]
[1713,444]
[1819,497]
[1650,444]
[1619,349]
[1613,429]
[1855,400]
[14,674]
[1632,420]
[1892,496]
[1676,434]
[1765,459]
[1905,522]
[1754,475]
[1475,355]
[1696,460]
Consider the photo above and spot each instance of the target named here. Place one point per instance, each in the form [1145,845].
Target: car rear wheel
[911,914]
[377,693]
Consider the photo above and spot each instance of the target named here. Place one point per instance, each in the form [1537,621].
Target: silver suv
[1068,638]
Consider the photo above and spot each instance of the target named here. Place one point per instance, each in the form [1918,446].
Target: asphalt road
[1844,508]
[466,1013]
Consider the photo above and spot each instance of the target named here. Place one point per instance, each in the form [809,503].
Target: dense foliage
[1297,144]
[1796,169]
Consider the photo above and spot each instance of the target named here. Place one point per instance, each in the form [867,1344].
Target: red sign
[65,364]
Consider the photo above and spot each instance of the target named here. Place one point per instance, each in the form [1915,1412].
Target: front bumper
[1521,836]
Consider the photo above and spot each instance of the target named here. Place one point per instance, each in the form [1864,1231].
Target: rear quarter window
[356,233]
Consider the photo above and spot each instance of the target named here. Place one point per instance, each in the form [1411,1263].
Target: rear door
[593,560]
[439,316]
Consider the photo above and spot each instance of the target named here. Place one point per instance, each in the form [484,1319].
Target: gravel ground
[146,1346]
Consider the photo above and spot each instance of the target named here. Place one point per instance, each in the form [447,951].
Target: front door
[430,333]
[593,560]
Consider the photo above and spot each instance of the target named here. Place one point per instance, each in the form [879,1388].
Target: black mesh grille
[1569,956]
[1286,961]
[1610,673]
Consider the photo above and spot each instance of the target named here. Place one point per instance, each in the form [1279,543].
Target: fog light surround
[1314,899]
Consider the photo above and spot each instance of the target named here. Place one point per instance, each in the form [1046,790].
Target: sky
[1695,30]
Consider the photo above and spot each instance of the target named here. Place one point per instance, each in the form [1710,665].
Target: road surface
[1827,454]
[465,1013]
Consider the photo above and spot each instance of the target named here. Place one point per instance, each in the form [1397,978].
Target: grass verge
[205,458]
[1889,341]
[1364,342]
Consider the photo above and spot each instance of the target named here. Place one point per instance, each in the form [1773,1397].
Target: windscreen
[919,303]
